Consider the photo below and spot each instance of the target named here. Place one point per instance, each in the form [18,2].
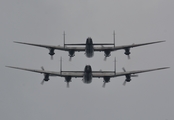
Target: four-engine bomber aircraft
[88,74]
[89,47]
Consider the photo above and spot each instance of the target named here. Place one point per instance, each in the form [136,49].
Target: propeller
[42,68]
[67,84]
[128,56]
[104,84]
[70,58]
[105,58]
[42,80]
[51,57]
[134,75]
[127,52]
[124,83]
[124,69]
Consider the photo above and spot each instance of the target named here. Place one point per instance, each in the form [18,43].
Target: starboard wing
[103,48]
[113,74]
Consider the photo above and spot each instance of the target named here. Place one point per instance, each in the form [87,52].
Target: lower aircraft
[88,74]
[89,47]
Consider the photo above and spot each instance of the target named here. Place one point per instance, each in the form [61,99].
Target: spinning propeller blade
[105,58]
[67,85]
[124,83]
[42,68]
[104,84]
[128,56]
[70,58]
[51,57]
[124,69]
[42,82]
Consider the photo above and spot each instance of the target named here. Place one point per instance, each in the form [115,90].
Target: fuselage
[87,77]
[89,49]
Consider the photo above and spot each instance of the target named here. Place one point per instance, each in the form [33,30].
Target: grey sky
[150,96]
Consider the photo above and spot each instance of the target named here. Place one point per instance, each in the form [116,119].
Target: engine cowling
[51,52]
[127,51]
[128,78]
[68,79]
[107,53]
[71,53]
[46,77]
[106,79]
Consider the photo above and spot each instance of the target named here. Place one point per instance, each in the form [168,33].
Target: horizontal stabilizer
[103,44]
[93,44]
[75,44]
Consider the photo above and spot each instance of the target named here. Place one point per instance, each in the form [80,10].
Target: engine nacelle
[107,53]
[71,53]
[127,51]
[46,77]
[51,52]
[106,79]
[68,79]
[128,78]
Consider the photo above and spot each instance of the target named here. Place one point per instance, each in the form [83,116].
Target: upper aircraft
[88,74]
[89,47]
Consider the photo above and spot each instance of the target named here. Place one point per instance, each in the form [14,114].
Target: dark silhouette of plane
[89,47]
[88,74]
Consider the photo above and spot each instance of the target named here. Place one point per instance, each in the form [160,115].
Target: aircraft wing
[112,74]
[102,48]
[52,73]
[54,47]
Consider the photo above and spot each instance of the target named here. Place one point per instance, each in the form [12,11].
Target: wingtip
[165,68]
[9,66]
[20,42]
[162,41]
[13,67]
[17,42]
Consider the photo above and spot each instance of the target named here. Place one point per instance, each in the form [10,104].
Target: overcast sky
[147,97]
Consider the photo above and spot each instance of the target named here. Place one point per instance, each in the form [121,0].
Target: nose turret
[88,69]
[89,41]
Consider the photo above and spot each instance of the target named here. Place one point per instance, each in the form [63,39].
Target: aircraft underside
[87,78]
[89,51]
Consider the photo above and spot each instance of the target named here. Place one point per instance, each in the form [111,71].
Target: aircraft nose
[89,40]
[88,68]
